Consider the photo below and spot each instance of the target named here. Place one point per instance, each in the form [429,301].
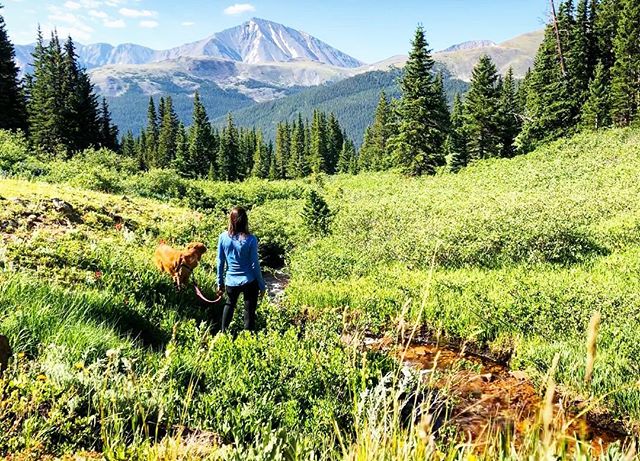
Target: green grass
[510,256]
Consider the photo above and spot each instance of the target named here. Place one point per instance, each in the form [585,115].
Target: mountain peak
[469,45]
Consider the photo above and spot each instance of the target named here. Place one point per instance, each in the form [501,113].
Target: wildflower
[113,353]
[119,226]
[78,365]
[98,275]
[41,378]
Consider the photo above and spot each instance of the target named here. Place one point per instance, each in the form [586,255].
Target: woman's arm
[255,262]
[220,263]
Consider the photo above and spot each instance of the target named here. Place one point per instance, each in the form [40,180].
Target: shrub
[15,157]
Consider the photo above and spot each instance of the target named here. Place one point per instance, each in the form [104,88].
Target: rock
[519,375]
[8,225]
[487,377]
[62,206]
[18,201]
[5,352]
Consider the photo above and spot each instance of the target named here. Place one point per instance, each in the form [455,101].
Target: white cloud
[239,8]
[98,14]
[149,24]
[114,23]
[131,13]
[70,5]
[79,31]
[187,24]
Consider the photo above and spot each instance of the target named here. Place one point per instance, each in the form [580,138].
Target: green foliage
[316,214]
[482,115]
[16,157]
[625,81]
[422,126]
[12,103]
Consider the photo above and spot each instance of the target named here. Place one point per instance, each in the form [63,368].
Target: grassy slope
[509,254]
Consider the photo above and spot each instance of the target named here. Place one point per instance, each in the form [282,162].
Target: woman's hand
[220,291]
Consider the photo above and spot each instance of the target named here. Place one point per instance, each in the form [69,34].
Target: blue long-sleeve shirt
[240,256]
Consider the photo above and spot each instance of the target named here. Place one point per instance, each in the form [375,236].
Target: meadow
[508,257]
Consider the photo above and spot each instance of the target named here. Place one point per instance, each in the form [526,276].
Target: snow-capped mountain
[257,41]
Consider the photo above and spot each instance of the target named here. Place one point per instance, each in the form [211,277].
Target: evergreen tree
[508,116]
[458,140]
[318,143]
[46,117]
[548,112]
[107,131]
[181,159]
[282,151]
[128,144]
[580,58]
[482,122]
[198,159]
[261,160]
[595,112]
[298,162]
[625,75]
[442,117]
[12,104]
[167,133]
[347,157]
[418,145]
[151,136]
[335,138]
[606,29]
[374,153]
[228,152]
[316,214]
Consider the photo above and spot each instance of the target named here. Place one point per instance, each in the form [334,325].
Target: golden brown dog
[179,264]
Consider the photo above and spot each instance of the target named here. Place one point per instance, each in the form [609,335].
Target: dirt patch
[487,397]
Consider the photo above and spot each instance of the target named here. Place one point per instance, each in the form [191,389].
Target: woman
[238,251]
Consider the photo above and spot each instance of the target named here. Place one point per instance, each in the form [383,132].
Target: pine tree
[198,160]
[606,29]
[45,106]
[167,134]
[181,159]
[335,138]
[625,75]
[228,152]
[318,143]
[298,162]
[316,214]
[347,157]
[107,131]
[443,117]
[482,123]
[13,114]
[128,144]
[509,124]
[595,112]
[418,145]
[261,160]
[458,139]
[375,148]
[282,151]
[548,109]
[580,60]
[151,135]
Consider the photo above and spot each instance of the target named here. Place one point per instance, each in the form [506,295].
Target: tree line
[230,153]
[585,76]
[56,104]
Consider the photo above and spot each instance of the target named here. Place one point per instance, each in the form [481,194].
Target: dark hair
[238,222]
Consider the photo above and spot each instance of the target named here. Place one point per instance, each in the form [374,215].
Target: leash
[202,297]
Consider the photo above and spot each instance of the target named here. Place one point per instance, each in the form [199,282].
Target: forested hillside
[353,101]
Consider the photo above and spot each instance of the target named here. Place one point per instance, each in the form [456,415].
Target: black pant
[250,292]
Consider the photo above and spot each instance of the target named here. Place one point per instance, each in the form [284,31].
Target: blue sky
[368,30]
